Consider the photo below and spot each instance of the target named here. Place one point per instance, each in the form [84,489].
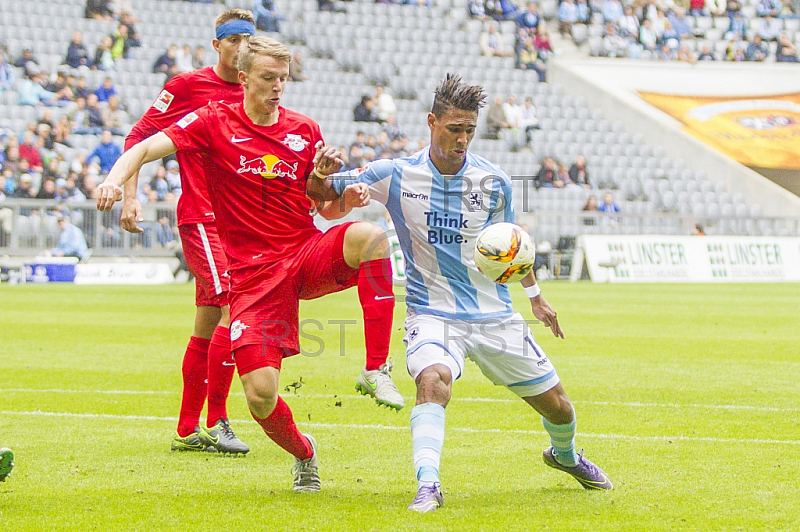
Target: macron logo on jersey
[163,101]
[186,120]
[412,195]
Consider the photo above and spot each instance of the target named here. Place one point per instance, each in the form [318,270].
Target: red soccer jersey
[256,178]
[182,94]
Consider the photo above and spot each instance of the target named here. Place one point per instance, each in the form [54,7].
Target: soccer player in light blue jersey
[440,199]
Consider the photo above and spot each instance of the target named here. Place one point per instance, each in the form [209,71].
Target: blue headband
[235,27]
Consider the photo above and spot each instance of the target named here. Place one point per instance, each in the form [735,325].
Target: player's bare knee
[434,385]
[261,401]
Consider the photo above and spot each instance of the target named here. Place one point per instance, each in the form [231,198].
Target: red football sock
[195,370]
[220,375]
[377,302]
[280,428]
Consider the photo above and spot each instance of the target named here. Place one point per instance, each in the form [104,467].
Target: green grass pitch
[687,395]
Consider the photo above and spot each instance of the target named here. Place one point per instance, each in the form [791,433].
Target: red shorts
[265,299]
[207,262]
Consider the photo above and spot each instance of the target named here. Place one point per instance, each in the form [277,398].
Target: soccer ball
[504,252]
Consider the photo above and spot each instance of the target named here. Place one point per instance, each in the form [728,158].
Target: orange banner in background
[762,131]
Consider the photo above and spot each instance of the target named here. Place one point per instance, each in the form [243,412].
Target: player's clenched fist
[356,195]
[107,194]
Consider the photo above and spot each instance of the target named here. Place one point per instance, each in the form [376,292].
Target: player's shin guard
[427,435]
[562,438]
[195,371]
[220,375]
[280,428]
[377,302]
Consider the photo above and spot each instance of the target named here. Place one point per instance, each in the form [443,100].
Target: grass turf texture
[686,395]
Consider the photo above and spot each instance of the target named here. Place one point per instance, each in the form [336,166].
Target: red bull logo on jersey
[268,167]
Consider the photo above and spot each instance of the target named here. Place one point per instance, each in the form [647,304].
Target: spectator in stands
[103,57]
[698,8]
[83,121]
[89,185]
[183,59]
[530,19]
[396,149]
[542,43]
[28,62]
[786,51]
[173,177]
[119,43]
[77,54]
[737,27]
[578,174]
[47,191]
[296,68]
[71,242]
[73,193]
[757,50]
[133,39]
[670,37]
[61,89]
[732,7]
[528,59]
[666,53]
[496,118]
[106,90]
[567,15]
[697,230]
[612,11]
[393,131]
[6,74]
[106,152]
[166,60]
[99,10]
[81,90]
[199,57]
[529,120]
[365,110]
[768,27]
[770,8]
[114,118]
[590,207]
[706,54]
[501,9]
[158,188]
[25,189]
[355,157]
[29,151]
[790,9]
[267,17]
[628,24]
[583,12]
[491,42]
[609,207]
[477,10]
[547,175]
[614,44]
[562,177]
[647,35]
[686,55]
[31,92]
[680,24]
[384,103]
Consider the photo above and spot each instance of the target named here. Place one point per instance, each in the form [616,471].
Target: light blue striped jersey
[437,219]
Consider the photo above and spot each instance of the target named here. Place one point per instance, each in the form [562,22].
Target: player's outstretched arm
[355,195]
[540,307]
[155,147]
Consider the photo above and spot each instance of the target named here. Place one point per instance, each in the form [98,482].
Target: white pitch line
[456,399]
[405,428]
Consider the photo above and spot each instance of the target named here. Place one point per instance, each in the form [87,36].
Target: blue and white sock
[562,438]
[427,434]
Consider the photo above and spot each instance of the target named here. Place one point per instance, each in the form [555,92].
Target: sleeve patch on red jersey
[163,101]
[186,120]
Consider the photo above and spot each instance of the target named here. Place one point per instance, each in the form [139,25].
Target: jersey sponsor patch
[268,167]
[295,142]
[163,101]
[186,120]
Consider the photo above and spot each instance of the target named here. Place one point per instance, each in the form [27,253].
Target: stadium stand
[407,49]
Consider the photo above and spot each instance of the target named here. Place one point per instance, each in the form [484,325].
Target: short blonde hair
[261,46]
[234,14]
